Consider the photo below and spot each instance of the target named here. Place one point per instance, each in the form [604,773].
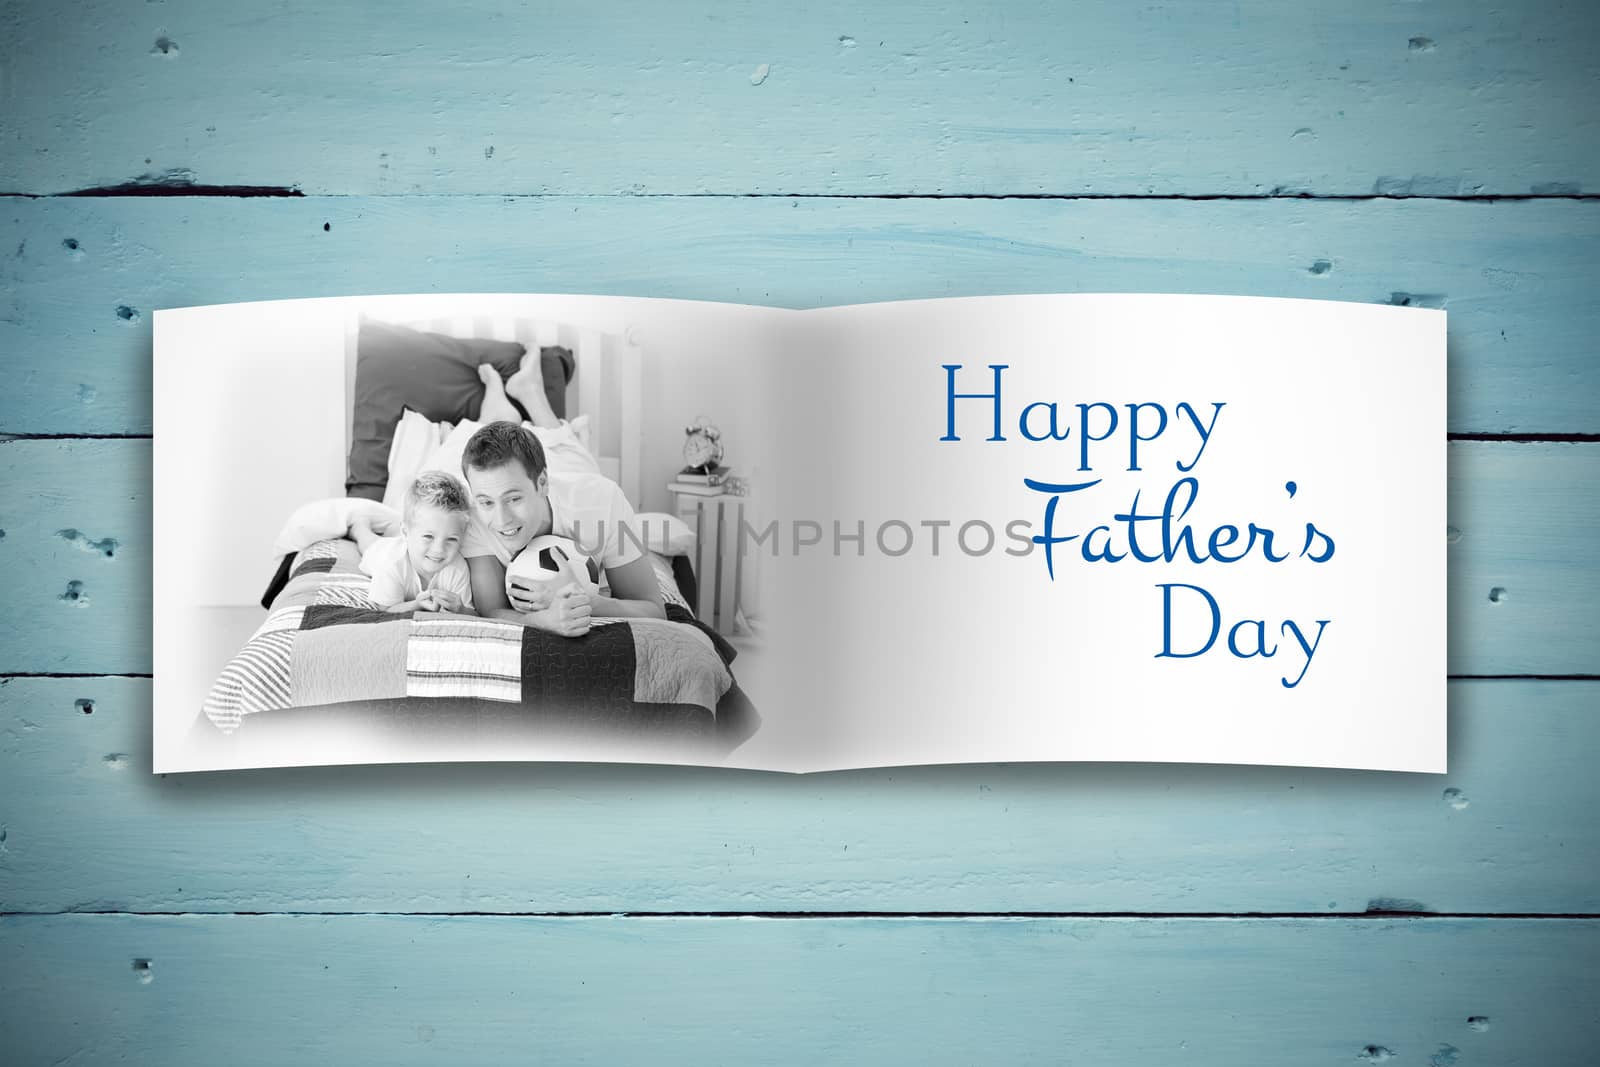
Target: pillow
[415,441]
[580,429]
[324,519]
[663,533]
[432,374]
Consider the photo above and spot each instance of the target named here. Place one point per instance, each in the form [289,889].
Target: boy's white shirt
[395,581]
[581,507]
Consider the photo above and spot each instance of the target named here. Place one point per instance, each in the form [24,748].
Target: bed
[326,666]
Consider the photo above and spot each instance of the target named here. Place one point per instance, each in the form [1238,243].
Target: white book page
[907,652]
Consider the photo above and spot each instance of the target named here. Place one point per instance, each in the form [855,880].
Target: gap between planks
[247,192]
[784,916]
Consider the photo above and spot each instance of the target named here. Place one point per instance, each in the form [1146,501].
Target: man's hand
[526,598]
[568,613]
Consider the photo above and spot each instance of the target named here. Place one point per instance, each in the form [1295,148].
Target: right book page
[1111,527]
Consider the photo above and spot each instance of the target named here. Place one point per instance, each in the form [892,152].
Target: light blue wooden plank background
[1183,98]
[1510,829]
[471,989]
[1442,153]
[1515,276]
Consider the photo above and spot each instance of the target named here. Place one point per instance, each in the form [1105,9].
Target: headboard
[606,384]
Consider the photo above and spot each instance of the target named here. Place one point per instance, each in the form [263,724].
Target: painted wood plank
[1516,277]
[1524,588]
[77,522]
[1532,510]
[399,990]
[1511,828]
[913,96]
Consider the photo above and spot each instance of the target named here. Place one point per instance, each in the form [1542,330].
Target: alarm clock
[702,446]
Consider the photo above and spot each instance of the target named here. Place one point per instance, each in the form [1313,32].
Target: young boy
[515,499]
[422,569]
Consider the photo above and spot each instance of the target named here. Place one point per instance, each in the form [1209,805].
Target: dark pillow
[434,375]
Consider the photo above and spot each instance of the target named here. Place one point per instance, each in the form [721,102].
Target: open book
[1041,528]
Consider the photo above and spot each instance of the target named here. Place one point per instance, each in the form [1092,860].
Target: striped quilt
[324,643]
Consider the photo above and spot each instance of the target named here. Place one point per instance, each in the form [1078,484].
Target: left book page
[318,547]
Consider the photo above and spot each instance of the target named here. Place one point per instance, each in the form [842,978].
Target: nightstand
[718,567]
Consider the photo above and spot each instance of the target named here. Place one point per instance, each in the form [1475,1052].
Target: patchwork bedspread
[325,643]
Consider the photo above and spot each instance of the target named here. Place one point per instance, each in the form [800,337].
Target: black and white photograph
[451,528]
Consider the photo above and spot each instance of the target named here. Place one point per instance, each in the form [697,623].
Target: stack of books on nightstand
[696,481]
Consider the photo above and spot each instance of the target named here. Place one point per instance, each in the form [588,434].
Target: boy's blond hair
[436,489]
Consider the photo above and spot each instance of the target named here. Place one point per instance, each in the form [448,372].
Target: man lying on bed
[515,499]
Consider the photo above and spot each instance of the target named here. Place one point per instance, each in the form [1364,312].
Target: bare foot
[495,407]
[527,386]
